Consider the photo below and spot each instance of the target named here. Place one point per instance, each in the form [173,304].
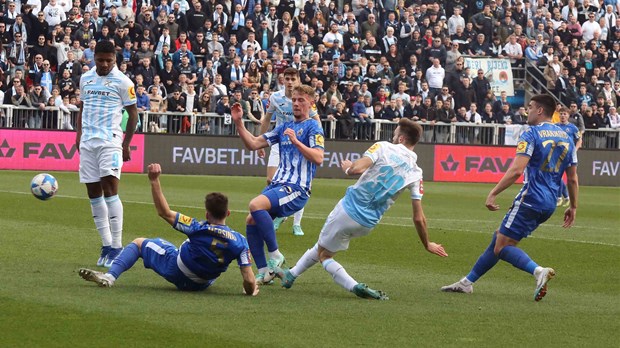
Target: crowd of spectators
[367,59]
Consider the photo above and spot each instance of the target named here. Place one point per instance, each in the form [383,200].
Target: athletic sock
[309,259]
[485,262]
[518,258]
[125,260]
[340,275]
[102,222]
[275,254]
[257,246]
[264,225]
[115,212]
[297,217]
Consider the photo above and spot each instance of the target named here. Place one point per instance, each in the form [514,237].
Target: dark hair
[546,102]
[217,205]
[291,71]
[104,46]
[410,130]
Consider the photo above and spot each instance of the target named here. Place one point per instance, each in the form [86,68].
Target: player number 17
[550,167]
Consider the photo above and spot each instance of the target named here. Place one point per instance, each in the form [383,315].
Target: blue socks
[485,262]
[264,223]
[257,247]
[125,260]
[518,258]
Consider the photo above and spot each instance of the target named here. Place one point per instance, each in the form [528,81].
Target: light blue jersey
[282,108]
[294,168]
[104,98]
[394,169]
[551,151]
[209,249]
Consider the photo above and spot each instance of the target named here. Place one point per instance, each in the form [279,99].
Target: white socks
[340,275]
[275,254]
[309,259]
[115,213]
[297,217]
[102,222]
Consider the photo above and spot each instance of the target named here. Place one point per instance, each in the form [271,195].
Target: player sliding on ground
[544,153]
[301,150]
[211,246]
[387,169]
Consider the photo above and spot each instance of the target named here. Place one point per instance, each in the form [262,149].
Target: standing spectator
[435,76]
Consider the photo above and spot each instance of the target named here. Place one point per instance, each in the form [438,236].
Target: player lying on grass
[387,169]
[544,153]
[211,246]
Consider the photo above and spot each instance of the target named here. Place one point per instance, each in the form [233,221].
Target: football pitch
[44,303]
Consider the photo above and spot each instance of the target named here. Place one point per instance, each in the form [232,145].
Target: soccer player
[210,247]
[387,170]
[281,109]
[301,149]
[544,153]
[574,133]
[105,91]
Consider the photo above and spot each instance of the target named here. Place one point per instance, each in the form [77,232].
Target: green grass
[43,302]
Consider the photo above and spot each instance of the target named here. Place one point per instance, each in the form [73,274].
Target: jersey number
[547,166]
[386,184]
[215,243]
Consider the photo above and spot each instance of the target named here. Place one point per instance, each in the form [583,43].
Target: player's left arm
[313,154]
[572,183]
[129,100]
[514,172]
[419,220]
[161,205]
[249,281]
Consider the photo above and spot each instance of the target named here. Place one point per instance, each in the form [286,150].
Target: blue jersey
[551,151]
[571,130]
[210,248]
[104,98]
[294,168]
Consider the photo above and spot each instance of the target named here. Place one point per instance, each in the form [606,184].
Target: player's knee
[258,204]
[138,242]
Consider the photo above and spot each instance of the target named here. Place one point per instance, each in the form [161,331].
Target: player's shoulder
[118,75]
[87,77]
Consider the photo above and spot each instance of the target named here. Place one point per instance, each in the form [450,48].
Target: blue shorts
[520,221]
[161,256]
[285,200]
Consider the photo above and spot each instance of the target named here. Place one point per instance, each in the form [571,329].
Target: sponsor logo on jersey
[132,93]
[522,147]
[374,148]
[319,140]
[185,220]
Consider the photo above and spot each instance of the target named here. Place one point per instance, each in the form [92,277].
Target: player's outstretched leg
[485,262]
[102,279]
[287,279]
[543,276]
[297,231]
[362,290]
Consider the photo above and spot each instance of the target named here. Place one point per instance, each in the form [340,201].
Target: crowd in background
[367,59]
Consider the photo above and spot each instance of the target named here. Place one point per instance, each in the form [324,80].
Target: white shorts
[98,159]
[338,230]
[274,156]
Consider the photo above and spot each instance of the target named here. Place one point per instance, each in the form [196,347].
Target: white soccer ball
[44,186]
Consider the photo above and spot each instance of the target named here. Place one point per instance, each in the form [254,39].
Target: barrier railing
[222,125]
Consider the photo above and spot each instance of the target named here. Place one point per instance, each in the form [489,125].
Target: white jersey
[394,169]
[104,98]
[282,108]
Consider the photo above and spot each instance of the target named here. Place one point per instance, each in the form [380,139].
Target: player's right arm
[78,127]
[249,140]
[363,163]
[514,172]
[161,205]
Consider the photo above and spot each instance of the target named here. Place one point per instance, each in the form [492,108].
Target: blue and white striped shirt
[294,168]
[103,100]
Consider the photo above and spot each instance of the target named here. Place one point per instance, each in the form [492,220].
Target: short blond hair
[305,89]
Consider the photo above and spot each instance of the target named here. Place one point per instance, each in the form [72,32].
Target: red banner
[472,163]
[53,150]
